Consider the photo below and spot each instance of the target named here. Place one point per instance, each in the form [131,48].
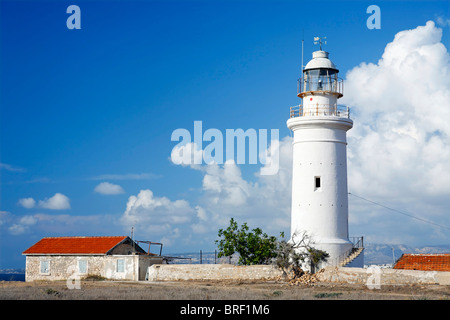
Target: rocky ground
[305,289]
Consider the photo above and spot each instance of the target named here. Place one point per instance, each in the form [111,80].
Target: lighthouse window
[317,183]
[320,79]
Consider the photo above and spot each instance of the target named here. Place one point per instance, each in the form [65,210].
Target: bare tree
[294,253]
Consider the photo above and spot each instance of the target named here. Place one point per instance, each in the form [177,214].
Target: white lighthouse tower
[319,176]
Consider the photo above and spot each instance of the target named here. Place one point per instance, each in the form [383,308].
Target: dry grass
[209,290]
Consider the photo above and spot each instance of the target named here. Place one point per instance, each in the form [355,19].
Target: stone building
[61,258]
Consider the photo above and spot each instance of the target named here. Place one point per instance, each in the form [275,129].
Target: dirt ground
[214,290]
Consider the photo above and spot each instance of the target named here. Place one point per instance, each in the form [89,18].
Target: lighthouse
[319,176]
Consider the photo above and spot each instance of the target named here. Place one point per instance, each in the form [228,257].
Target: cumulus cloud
[262,201]
[398,154]
[399,148]
[108,188]
[188,154]
[401,138]
[225,185]
[22,225]
[57,202]
[27,203]
[156,215]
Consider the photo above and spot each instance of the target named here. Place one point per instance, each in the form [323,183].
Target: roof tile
[425,262]
[74,245]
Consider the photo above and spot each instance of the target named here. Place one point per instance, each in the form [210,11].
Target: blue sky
[99,104]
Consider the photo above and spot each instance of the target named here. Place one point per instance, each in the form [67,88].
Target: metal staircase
[352,254]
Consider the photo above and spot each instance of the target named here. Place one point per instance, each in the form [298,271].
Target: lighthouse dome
[320,60]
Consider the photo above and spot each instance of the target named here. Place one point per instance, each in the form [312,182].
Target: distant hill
[12,271]
[378,253]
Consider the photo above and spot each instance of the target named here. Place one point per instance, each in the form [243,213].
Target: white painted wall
[319,104]
[320,150]
[172,272]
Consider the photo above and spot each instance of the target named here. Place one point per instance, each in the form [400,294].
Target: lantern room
[320,74]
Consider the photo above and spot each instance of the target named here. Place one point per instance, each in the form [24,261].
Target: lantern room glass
[320,80]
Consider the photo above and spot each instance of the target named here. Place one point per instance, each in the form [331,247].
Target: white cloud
[156,215]
[201,213]
[225,193]
[126,176]
[442,22]
[61,224]
[401,138]
[108,188]
[22,225]
[263,202]
[9,167]
[17,229]
[28,220]
[5,216]
[27,203]
[225,185]
[399,148]
[57,202]
[398,154]
[398,151]
[189,154]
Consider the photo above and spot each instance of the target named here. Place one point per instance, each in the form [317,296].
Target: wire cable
[401,212]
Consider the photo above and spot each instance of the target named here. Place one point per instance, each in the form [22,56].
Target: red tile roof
[74,245]
[426,262]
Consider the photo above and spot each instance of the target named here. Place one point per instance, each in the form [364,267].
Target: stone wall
[372,277]
[375,276]
[167,272]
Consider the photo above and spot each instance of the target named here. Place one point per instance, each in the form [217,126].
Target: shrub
[254,247]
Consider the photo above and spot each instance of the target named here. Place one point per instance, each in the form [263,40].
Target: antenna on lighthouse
[303,40]
[320,41]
